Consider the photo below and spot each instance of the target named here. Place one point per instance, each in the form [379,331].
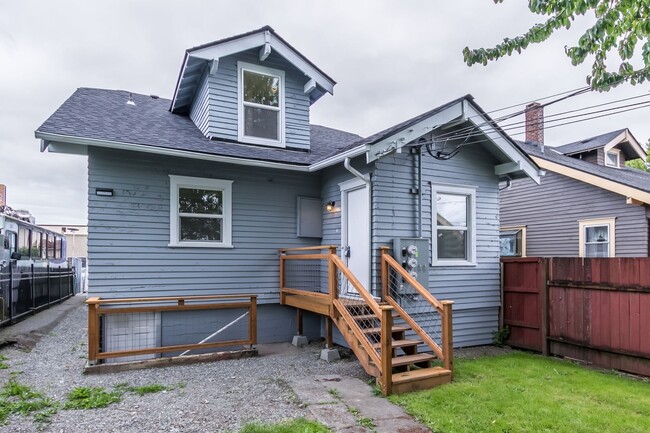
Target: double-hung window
[200,212]
[454,225]
[261,105]
[597,237]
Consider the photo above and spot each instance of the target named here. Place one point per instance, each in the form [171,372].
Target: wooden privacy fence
[592,309]
[131,329]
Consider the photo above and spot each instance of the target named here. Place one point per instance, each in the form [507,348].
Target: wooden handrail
[412,281]
[317,247]
[100,301]
[363,293]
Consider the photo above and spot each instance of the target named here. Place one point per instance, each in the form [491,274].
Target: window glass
[50,246]
[452,210]
[201,229]
[612,159]
[511,243]
[452,244]
[261,89]
[200,201]
[13,241]
[58,253]
[597,241]
[261,123]
[23,241]
[36,245]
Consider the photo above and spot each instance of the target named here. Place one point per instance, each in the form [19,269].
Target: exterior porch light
[330,206]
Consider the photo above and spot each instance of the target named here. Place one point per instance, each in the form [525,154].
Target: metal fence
[25,290]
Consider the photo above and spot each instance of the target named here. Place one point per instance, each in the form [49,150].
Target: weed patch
[16,398]
[297,425]
[92,397]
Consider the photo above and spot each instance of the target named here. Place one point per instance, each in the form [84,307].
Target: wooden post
[332,283]
[299,320]
[328,333]
[386,343]
[447,336]
[543,293]
[384,273]
[93,330]
[282,270]
[252,322]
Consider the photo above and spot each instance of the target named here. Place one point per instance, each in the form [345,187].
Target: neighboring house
[589,204]
[76,236]
[196,195]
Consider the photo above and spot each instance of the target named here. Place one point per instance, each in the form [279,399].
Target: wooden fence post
[332,281]
[384,273]
[447,335]
[252,322]
[386,349]
[543,293]
[93,330]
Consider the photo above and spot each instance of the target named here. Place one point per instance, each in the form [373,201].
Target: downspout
[419,192]
[366,179]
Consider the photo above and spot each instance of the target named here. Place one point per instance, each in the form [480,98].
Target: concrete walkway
[31,329]
[347,405]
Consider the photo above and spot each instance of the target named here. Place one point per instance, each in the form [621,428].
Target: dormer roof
[207,56]
[621,139]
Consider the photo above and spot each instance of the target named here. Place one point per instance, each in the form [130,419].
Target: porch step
[424,378]
[412,359]
[396,328]
[365,317]
[399,344]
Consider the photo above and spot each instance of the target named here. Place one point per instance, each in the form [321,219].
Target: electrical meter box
[413,255]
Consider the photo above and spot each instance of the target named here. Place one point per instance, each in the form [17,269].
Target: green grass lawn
[520,392]
[299,425]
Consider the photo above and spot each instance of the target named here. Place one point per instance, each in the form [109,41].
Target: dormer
[254,89]
[610,150]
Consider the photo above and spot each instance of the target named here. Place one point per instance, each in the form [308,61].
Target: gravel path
[214,397]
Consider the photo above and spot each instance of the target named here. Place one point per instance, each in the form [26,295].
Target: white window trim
[617,152]
[241,67]
[583,224]
[471,225]
[177,182]
[523,237]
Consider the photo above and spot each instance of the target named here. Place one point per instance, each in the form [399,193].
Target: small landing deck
[309,301]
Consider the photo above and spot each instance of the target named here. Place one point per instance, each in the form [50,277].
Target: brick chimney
[535,123]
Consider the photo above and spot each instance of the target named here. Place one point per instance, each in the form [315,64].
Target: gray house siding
[551,211]
[474,289]
[214,109]
[129,232]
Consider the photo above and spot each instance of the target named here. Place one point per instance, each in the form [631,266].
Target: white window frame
[597,222]
[241,67]
[177,182]
[616,152]
[469,192]
[523,237]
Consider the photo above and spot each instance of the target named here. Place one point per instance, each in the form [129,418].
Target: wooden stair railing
[368,325]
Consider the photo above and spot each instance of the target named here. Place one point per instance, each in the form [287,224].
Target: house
[196,195]
[589,204]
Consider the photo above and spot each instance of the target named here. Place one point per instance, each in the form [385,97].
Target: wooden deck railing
[426,315]
[133,309]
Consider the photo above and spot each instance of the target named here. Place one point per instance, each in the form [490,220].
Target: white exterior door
[355,229]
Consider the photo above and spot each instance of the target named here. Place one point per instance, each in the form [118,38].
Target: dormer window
[261,105]
[613,158]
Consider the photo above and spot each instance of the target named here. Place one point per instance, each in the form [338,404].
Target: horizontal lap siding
[474,289]
[216,100]
[129,232]
[551,211]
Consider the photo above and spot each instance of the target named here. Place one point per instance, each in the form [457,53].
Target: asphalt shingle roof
[627,176]
[588,143]
[104,115]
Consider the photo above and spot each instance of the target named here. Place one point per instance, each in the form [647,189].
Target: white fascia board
[502,143]
[258,40]
[58,139]
[332,160]
[402,138]
[626,136]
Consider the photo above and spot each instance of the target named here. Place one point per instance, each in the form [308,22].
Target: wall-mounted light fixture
[330,206]
[104,192]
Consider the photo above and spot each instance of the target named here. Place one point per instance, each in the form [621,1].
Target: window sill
[198,245]
[262,142]
[453,263]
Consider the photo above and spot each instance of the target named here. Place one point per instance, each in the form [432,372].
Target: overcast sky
[392,60]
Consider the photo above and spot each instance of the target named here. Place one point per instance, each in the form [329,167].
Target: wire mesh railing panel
[420,309]
[360,311]
[130,331]
[309,275]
